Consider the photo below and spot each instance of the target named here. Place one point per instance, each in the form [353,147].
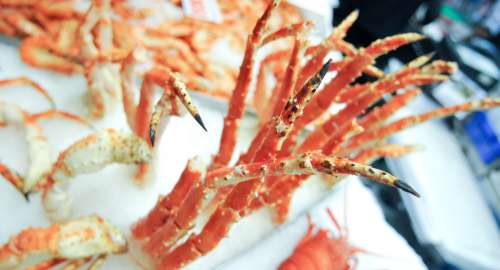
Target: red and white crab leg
[379,114]
[376,116]
[407,122]
[241,195]
[286,90]
[218,225]
[369,155]
[346,74]
[38,147]
[387,85]
[167,206]
[182,220]
[238,98]
[73,240]
[307,163]
[89,154]
[36,52]
[319,52]
[262,97]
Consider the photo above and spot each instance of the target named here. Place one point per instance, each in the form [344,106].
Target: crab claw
[198,119]
[405,187]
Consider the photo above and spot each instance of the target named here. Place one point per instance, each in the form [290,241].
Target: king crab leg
[346,74]
[237,102]
[407,122]
[70,241]
[89,154]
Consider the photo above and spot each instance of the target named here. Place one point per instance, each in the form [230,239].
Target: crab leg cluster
[276,162]
[75,243]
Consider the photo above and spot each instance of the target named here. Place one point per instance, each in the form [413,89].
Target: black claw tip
[325,68]
[27,196]
[405,187]
[152,135]
[198,119]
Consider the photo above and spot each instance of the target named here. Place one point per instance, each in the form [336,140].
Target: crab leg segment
[237,102]
[36,52]
[179,224]
[319,52]
[387,150]
[371,119]
[380,114]
[88,155]
[38,147]
[81,238]
[169,205]
[28,81]
[13,177]
[387,130]
[261,93]
[278,129]
[307,163]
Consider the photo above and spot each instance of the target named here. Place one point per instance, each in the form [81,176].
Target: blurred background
[467,32]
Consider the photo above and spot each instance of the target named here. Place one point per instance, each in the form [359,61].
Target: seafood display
[320,250]
[97,41]
[298,135]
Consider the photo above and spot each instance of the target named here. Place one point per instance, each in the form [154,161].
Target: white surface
[451,213]
[112,194]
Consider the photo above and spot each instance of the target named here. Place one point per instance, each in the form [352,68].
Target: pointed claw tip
[27,196]
[198,119]
[152,135]
[325,68]
[405,187]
